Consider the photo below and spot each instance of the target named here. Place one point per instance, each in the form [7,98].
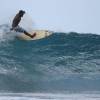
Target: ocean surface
[63,66]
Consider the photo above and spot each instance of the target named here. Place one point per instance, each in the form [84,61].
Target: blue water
[60,63]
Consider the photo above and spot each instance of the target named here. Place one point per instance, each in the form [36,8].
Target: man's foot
[32,36]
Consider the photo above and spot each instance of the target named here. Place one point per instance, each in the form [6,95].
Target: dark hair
[21,12]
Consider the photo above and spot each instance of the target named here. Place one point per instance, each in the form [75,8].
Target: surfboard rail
[39,35]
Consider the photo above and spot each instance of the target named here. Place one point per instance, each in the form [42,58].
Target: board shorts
[19,29]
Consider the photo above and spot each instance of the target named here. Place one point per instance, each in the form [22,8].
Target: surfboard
[39,35]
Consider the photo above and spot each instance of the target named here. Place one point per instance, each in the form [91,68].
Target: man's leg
[19,29]
[26,33]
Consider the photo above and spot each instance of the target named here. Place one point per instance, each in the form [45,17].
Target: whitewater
[63,66]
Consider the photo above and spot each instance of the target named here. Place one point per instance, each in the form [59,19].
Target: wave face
[61,62]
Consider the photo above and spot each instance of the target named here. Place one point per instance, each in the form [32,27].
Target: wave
[41,64]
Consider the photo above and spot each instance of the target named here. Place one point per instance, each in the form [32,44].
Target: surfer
[16,21]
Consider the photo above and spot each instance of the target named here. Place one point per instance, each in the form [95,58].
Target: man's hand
[11,29]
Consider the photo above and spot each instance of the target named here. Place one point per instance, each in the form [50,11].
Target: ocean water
[63,66]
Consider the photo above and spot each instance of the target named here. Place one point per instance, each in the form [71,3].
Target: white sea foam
[46,96]
[5,33]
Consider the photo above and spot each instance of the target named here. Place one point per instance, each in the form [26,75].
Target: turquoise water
[61,63]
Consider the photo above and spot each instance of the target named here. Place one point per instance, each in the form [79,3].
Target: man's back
[16,20]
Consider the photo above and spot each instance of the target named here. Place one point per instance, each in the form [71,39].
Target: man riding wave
[16,21]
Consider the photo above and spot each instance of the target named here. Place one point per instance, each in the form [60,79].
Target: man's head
[21,12]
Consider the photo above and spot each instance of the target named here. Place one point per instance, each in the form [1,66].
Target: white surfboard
[39,35]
